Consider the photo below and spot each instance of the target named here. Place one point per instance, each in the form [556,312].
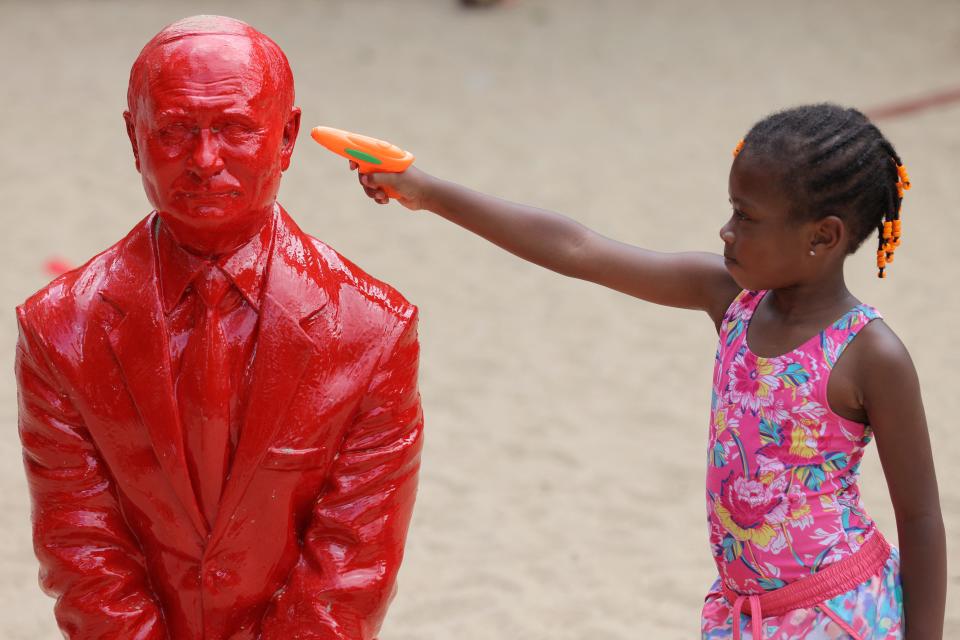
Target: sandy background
[561,491]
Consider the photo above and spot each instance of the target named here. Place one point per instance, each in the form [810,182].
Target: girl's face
[763,247]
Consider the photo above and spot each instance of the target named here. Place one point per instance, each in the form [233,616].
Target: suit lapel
[292,292]
[139,343]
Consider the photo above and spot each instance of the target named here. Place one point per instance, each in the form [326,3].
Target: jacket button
[217,576]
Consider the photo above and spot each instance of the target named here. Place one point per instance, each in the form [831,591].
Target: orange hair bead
[904,177]
[891,233]
[737,149]
[887,230]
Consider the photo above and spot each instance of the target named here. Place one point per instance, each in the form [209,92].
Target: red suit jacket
[313,517]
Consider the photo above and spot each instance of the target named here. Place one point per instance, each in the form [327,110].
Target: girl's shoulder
[877,346]
[875,362]
[865,358]
[838,335]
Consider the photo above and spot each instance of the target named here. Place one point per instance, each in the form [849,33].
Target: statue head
[211,119]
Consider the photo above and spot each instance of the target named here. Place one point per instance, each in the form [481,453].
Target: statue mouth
[209,195]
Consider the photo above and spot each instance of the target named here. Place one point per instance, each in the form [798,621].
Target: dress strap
[737,315]
[837,337]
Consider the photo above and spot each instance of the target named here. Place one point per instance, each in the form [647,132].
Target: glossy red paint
[56,266]
[212,123]
[310,527]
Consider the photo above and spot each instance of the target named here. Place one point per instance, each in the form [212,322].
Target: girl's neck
[808,301]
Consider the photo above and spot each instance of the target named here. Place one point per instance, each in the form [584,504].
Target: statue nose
[206,158]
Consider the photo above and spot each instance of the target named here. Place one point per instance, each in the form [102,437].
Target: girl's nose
[726,234]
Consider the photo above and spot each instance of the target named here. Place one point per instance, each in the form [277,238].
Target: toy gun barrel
[370,154]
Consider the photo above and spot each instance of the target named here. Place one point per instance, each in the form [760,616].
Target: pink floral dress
[782,494]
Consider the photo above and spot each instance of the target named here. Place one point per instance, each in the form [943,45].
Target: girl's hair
[834,161]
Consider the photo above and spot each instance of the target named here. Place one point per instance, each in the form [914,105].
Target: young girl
[806,375]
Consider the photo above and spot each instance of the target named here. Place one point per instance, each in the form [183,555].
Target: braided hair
[834,161]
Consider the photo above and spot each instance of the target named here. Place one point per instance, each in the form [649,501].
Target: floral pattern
[782,467]
[872,611]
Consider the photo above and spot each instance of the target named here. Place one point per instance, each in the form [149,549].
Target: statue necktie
[203,392]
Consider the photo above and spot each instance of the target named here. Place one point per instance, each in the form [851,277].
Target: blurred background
[562,483]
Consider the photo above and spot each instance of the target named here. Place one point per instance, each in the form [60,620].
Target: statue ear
[290,130]
[132,134]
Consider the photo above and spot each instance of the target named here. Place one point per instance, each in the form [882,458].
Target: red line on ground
[914,105]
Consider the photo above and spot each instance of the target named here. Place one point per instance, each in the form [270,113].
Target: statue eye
[176,132]
[234,131]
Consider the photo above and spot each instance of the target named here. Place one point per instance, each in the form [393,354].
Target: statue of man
[219,414]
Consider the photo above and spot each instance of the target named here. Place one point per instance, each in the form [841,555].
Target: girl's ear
[828,234]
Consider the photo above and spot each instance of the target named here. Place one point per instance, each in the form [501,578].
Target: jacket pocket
[289,459]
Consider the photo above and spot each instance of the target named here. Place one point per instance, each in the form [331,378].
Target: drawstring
[756,617]
[813,590]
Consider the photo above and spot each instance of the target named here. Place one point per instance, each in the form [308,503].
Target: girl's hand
[410,186]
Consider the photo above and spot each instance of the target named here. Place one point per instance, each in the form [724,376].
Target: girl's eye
[739,215]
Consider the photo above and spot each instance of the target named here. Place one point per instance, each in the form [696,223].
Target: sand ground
[561,492]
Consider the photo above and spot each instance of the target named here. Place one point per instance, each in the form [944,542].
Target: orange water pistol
[370,154]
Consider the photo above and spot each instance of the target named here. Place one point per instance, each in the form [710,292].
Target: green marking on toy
[366,157]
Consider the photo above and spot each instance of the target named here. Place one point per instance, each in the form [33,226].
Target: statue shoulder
[71,298]
[350,279]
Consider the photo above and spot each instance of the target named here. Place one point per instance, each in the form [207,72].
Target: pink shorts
[871,611]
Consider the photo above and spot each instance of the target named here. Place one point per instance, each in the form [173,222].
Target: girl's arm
[687,280]
[891,396]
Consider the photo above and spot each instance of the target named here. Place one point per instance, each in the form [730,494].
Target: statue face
[211,137]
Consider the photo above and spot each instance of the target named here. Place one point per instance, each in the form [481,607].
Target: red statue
[219,414]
